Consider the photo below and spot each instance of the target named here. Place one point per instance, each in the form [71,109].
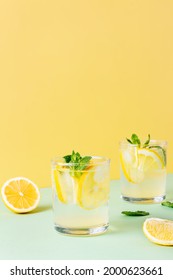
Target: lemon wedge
[20,195]
[137,162]
[159,231]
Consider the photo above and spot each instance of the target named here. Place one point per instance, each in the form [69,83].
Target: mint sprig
[67,158]
[134,140]
[79,163]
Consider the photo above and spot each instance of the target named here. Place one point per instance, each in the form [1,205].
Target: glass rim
[59,161]
[124,142]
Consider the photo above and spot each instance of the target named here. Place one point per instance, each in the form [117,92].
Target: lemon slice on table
[93,189]
[136,164]
[159,231]
[20,195]
[66,186]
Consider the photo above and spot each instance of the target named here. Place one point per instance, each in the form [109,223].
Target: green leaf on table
[135,213]
[168,204]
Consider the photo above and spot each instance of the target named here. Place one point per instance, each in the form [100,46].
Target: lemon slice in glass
[129,161]
[66,186]
[20,195]
[149,160]
[135,164]
[159,231]
[93,189]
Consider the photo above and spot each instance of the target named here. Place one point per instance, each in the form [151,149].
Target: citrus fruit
[93,189]
[20,195]
[66,186]
[137,162]
[89,190]
[129,161]
[149,160]
[159,231]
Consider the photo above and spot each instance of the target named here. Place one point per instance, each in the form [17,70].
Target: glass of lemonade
[80,195]
[143,171]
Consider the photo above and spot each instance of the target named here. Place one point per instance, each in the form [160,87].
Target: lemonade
[80,194]
[143,170]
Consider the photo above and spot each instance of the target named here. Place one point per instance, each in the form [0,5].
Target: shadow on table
[42,208]
[121,226]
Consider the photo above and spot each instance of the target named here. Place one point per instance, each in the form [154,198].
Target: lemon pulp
[89,191]
[20,195]
[159,231]
[138,162]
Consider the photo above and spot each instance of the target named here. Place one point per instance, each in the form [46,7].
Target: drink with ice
[80,194]
[143,170]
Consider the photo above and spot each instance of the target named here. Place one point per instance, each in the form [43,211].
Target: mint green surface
[32,236]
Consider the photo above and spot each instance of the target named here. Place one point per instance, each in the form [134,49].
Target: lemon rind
[126,174]
[10,206]
[154,239]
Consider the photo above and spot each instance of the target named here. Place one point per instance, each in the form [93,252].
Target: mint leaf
[135,139]
[135,213]
[79,163]
[147,142]
[83,162]
[67,158]
[75,157]
[129,141]
[168,204]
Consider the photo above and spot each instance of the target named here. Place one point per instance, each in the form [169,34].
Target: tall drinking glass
[80,196]
[143,172]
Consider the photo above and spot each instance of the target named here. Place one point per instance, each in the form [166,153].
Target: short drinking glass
[80,196]
[143,171]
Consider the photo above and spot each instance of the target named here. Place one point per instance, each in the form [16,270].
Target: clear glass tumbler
[80,196]
[143,172]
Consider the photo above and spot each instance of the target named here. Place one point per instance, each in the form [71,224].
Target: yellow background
[82,75]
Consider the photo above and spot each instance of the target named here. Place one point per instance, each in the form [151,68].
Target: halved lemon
[93,190]
[20,195]
[135,164]
[159,231]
